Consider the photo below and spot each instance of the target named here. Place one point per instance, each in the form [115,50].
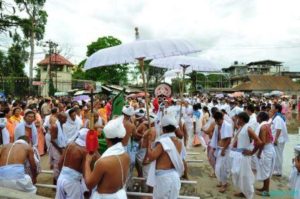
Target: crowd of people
[243,138]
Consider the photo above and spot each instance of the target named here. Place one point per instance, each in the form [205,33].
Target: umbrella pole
[182,91]
[141,63]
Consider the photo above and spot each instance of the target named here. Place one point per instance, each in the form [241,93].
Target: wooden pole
[141,63]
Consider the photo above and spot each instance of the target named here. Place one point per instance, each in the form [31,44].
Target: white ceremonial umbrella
[184,62]
[176,73]
[140,51]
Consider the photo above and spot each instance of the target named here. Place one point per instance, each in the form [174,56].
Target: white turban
[140,113]
[168,120]
[128,110]
[152,118]
[115,129]
[297,149]
[81,139]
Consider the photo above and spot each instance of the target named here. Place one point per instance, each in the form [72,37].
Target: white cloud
[227,30]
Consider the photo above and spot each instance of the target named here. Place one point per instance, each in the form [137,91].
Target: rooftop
[56,60]
[268,83]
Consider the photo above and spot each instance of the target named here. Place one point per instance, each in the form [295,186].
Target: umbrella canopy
[82,97]
[146,49]
[194,63]
[176,72]
[276,93]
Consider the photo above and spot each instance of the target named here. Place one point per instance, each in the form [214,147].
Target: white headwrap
[81,139]
[297,149]
[128,110]
[139,113]
[168,120]
[115,128]
[20,131]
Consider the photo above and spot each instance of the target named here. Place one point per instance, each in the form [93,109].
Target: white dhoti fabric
[294,182]
[222,167]
[140,158]
[54,158]
[13,176]
[37,160]
[265,165]
[190,133]
[167,184]
[69,184]
[279,158]
[121,194]
[242,175]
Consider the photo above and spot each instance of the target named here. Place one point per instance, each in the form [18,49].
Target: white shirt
[279,124]
[5,136]
[253,122]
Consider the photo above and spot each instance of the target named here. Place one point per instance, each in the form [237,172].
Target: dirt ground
[205,188]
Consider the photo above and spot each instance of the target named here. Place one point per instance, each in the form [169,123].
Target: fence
[22,86]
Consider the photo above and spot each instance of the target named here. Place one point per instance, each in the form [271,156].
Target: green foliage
[209,81]
[116,74]
[52,90]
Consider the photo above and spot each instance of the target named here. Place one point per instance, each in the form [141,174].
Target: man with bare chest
[167,165]
[69,183]
[12,171]
[111,170]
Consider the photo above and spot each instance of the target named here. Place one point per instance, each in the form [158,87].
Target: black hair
[72,110]
[251,108]
[6,110]
[218,115]
[195,107]
[223,111]
[169,128]
[263,116]
[278,107]
[214,110]
[115,140]
[244,116]
[205,109]
[29,111]
[54,110]
[14,110]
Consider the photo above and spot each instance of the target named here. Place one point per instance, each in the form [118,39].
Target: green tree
[33,26]
[8,16]
[116,74]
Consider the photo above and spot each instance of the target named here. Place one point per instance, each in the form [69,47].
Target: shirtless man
[220,141]
[111,170]
[58,143]
[12,159]
[167,166]
[129,126]
[69,183]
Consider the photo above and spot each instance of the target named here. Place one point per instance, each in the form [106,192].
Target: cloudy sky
[226,30]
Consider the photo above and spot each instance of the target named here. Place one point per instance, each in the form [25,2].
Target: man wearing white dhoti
[70,181]
[110,171]
[12,170]
[72,126]
[265,157]
[167,166]
[294,179]
[280,134]
[253,121]
[58,143]
[242,175]
[220,141]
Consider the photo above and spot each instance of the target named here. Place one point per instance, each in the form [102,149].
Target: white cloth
[20,131]
[167,184]
[13,176]
[242,175]
[115,128]
[279,158]
[294,182]
[235,111]
[121,194]
[279,124]
[81,139]
[5,136]
[61,140]
[226,132]
[253,122]
[71,128]
[222,168]
[69,184]
[169,147]
[265,165]
[98,123]
[115,150]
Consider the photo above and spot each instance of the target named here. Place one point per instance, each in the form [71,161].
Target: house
[267,83]
[59,69]
[239,71]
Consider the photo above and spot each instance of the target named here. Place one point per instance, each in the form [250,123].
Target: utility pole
[51,46]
